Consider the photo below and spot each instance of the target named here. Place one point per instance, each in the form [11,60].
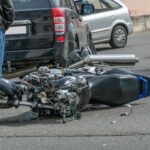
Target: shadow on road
[28,117]
[102,47]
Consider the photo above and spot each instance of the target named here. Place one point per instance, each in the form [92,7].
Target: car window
[96,3]
[31,4]
[73,5]
[109,5]
[67,4]
[57,3]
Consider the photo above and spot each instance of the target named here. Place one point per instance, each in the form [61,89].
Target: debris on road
[128,105]
[125,114]
[114,122]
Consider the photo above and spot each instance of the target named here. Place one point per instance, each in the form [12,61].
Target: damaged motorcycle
[66,92]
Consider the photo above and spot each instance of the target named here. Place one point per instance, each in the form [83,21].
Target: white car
[109,21]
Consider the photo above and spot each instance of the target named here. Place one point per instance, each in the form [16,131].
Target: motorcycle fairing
[144,81]
[118,87]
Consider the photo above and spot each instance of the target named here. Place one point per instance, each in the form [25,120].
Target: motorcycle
[66,92]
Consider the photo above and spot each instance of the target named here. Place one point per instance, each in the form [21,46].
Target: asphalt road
[101,128]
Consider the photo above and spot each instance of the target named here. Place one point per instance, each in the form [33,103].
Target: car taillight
[59,19]
[129,11]
[60,38]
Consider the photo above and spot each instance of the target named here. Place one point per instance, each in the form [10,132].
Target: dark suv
[44,31]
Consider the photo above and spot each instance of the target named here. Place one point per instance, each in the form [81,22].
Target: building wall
[138,7]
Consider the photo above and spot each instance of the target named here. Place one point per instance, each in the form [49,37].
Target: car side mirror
[87,9]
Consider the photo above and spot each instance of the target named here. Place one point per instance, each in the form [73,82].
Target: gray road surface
[100,128]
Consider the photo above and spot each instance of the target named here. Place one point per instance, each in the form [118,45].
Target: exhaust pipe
[111,59]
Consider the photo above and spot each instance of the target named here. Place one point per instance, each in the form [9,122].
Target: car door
[101,20]
[80,27]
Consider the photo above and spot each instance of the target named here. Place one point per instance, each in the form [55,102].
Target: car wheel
[92,46]
[76,47]
[73,55]
[119,37]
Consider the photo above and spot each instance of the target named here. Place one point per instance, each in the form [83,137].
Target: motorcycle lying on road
[66,92]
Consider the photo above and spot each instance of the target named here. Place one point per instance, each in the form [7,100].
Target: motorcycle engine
[67,94]
[44,73]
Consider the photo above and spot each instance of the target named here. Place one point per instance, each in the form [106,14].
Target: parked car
[109,21]
[45,31]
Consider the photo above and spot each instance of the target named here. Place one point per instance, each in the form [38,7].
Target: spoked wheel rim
[120,37]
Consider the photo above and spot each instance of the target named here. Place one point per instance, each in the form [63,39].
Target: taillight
[129,11]
[60,38]
[59,19]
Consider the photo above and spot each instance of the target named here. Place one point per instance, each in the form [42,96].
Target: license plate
[17,30]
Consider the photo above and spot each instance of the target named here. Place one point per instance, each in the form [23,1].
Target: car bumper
[130,27]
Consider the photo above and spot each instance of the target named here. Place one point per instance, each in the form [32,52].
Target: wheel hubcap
[120,37]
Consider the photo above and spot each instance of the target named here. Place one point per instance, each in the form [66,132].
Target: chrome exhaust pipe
[110,59]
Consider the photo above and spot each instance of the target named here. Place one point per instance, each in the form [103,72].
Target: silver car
[109,21]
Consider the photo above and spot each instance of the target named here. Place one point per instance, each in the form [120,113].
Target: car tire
[71,56]
[92,47]
[76,46]
[119,37]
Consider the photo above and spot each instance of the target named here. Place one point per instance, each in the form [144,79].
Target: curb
[141,23]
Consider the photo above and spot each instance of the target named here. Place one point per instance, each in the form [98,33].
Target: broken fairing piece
[130,108]
[114,122]
[125,114]
[128,105]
